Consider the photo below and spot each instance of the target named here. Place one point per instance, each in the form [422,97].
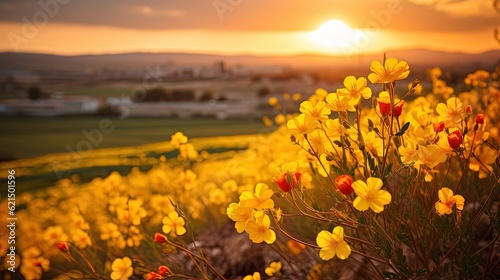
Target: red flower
[344,184]
[282,180]
[480,119]
[438,127]
[160,238]
[164,270]
[384,107]
[455,139]
[153,276]
[398,108]
[62,246]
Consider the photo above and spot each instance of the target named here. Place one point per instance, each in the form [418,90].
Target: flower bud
[160,238]
[455,139]
[480,119]
[344,184]
[469,110]
[438,127]
[62,246]
[152,276]
[164,270]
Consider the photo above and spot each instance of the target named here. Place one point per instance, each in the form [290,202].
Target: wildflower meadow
[384,178]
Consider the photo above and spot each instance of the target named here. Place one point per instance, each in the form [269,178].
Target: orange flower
[160,238]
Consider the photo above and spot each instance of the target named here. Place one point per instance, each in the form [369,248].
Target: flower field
[381,179]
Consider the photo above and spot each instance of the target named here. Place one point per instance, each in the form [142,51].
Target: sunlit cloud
[460,8]
[148,10]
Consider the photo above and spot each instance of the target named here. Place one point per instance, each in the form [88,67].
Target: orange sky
[246,27]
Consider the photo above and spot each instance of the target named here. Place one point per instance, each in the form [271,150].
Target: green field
[25,137]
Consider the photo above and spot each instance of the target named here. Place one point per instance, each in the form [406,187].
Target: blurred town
[184,85]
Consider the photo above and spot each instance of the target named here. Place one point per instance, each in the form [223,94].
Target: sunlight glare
[334,33]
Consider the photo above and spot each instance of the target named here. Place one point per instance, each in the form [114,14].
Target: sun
[334,33]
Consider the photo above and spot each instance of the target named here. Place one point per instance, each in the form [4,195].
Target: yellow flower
[486,156]
[255,276]
[178,138]
[54,235]
[339,103]
[389,72]
[370,195]
[173,224]
[273,101]
[408,152]
[217,196]
[334,129]
[301,125]
[122,269]
[333,244]
[430,155]
[109,231]
[258,229]
[260,199]
[355,89]
[136,211]
[316,141]
[81,239]
[240,215]
[317,111]
[273,269]
[373,143]
[447,200]
[452,112]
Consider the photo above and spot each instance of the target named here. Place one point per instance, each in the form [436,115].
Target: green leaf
[403,129]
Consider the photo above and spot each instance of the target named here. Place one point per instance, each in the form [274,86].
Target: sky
[260,27]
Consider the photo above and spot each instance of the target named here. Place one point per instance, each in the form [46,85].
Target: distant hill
[415,57]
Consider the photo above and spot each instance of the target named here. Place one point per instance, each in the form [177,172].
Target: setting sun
[334,33]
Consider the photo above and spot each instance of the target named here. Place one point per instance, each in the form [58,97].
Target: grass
[24,137]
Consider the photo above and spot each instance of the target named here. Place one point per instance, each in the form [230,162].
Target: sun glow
[334,33]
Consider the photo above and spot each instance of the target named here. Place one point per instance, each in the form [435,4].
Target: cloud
[460,8]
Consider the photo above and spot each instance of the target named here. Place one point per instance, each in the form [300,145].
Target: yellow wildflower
[339,103]
[173,224]
[54,235]
[317,111]
[447,200]
[301,125]
[122,269]
[274,269]
[178,138]
[373,143]
[355,89]
[391,71]
[333,244]
[430,155]
[452,112]
[240,215]
[260,199]
[273,101]
[81,239]
[258,229]
[370,195]
[255,276]
[109,231]
[408,152]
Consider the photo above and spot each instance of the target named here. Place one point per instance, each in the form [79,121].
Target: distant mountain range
[416,58]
